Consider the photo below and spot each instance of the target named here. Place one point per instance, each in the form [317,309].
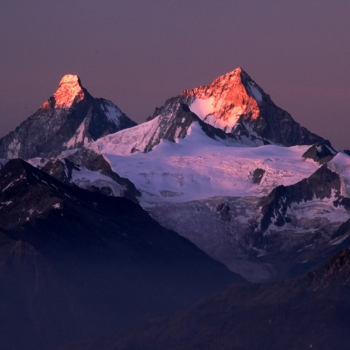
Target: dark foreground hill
[310,312]
[75,263]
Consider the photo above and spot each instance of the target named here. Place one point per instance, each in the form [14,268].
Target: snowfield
[199,167]
[341,165]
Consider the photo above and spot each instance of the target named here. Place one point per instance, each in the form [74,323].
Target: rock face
[176,123]
[320,152]
[75,263]
[69,119]
[91,171]
[258,175]
[284,234]
[275,206]
[237,105]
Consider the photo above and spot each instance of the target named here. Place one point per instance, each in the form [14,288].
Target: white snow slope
[198,167]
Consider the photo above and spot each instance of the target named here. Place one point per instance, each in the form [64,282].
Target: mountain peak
[236,104]
[69,119]
[238,70]
[223,101]
[69,90]
[70,78]
[234,73]
[238,79]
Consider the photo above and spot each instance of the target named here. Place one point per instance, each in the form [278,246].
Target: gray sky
[140,53]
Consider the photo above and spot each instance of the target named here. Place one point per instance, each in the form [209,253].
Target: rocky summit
[236,104]
[70,118]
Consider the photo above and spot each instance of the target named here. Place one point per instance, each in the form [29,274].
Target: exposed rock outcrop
[84,169]
[321,152]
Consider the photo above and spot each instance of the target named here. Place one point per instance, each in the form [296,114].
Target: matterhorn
[69,119]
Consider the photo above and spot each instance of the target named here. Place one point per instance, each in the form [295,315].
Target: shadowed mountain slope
[75,263]
[308,312]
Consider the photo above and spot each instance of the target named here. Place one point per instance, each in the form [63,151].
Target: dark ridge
[276,203]
[75,263]
[321,152]
[311,311]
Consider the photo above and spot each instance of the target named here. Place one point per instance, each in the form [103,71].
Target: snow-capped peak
[223,101]
[69,90]
[237,105]
[69,119]
[236,78]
